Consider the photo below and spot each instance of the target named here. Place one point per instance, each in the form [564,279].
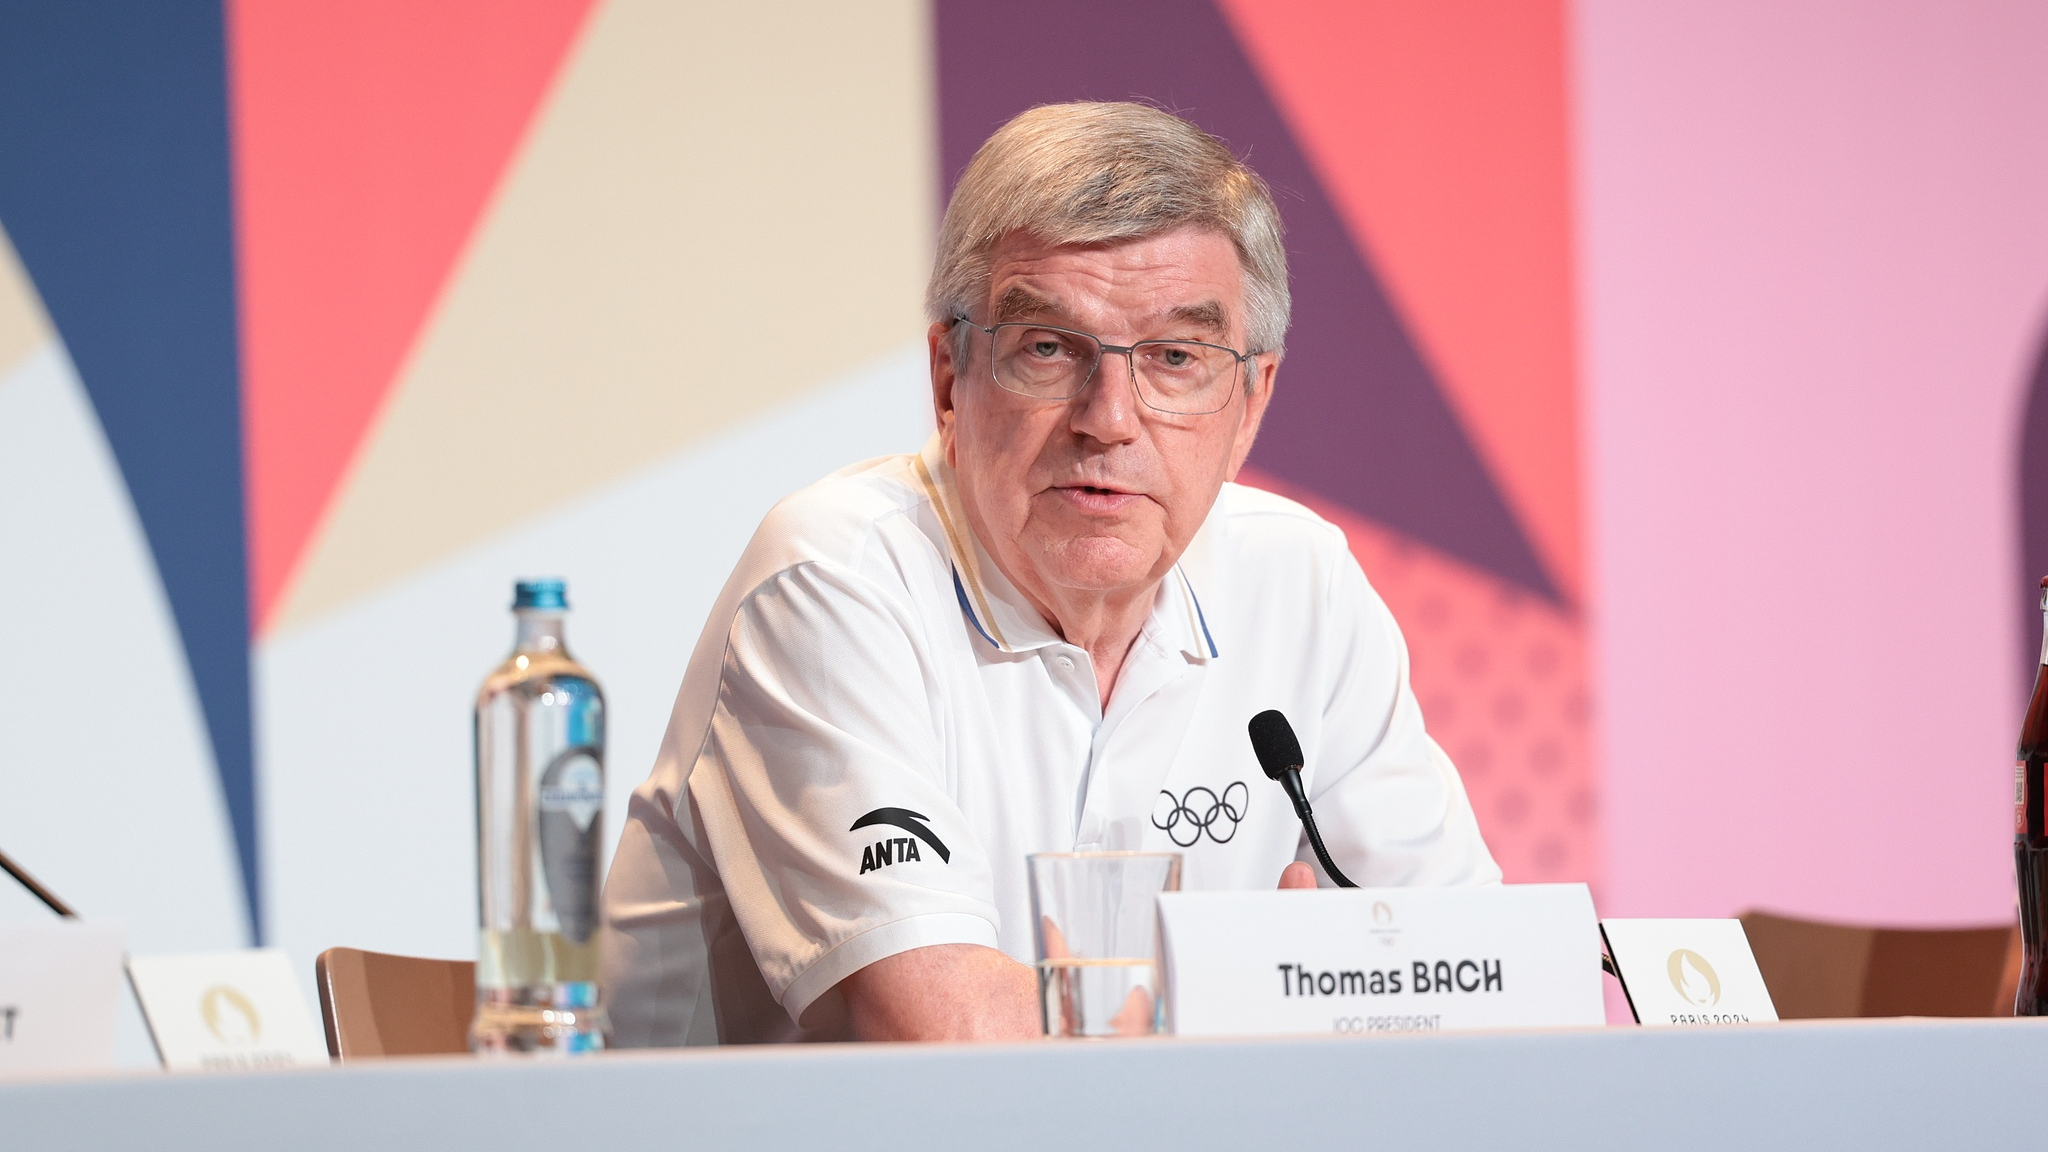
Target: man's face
[1100,493]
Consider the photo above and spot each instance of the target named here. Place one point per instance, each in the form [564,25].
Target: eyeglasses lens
[1176,376]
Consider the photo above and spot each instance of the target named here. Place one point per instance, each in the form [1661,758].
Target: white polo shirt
[877,727]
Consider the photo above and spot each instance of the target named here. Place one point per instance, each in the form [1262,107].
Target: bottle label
[2019,798]
[574,784]
[571,796]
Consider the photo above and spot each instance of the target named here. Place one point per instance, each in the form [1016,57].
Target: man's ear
[1266,369]
[939,339]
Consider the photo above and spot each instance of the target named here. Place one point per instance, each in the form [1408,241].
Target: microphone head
[1274,744]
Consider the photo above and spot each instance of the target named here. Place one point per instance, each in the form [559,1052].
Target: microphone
[1280,755]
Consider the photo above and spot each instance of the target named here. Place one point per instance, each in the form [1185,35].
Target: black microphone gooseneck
[1280,755]
[35,888]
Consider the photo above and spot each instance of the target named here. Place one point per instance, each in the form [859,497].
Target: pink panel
[1814,260]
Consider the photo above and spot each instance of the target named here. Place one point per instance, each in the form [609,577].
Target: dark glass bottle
[2030,842]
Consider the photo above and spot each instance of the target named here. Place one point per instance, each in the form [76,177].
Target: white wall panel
[107,785]
[364,730]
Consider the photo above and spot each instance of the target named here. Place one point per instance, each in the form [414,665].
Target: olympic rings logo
[1185,818]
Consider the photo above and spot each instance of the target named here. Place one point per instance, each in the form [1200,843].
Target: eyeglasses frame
[1128,351]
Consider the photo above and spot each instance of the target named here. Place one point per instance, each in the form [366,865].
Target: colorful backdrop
[1673,368]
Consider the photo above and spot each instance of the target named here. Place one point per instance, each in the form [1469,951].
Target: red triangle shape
[1441,133]
[368,137]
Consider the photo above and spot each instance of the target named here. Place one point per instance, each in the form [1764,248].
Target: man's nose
[1107,409]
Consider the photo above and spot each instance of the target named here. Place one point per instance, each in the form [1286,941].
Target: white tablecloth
[1850,1084]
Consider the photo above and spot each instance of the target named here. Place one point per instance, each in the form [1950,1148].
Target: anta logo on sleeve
[897,849]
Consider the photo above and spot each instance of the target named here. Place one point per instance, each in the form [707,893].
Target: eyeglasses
[1178,377]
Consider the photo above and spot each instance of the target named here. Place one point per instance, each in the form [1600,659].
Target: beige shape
[719,206]
[24,326]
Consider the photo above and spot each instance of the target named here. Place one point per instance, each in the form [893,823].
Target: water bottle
[539,823]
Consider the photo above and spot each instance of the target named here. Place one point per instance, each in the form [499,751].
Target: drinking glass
[1097,923]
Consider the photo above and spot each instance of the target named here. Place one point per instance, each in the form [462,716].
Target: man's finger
[1298,875]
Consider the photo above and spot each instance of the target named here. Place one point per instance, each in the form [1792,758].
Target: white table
[1976,1084]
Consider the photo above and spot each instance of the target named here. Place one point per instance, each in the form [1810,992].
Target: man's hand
[961,991]
[944,992]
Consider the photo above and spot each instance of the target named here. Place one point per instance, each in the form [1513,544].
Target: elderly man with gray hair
[1043,632]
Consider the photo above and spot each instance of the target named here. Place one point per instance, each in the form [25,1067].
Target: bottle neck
[539,631]
[2044,627]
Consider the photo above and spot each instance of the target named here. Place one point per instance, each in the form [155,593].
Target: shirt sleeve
[1390,805]
[822,788]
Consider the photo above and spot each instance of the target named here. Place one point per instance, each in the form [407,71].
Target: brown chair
[1815,969]
[374,1004]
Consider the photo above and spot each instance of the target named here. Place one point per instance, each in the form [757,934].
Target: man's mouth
[1095,497]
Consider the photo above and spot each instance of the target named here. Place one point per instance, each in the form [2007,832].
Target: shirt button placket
[1065,669]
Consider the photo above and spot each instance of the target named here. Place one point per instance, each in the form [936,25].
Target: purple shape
[1359,418]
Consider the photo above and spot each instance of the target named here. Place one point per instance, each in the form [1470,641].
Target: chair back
[375,1004]
[1816,969]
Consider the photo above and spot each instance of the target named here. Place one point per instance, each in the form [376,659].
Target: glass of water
[1097,925]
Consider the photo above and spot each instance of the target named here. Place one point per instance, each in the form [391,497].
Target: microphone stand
[1290,779]
[36,888]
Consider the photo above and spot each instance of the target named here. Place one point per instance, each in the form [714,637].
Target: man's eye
[1045,349]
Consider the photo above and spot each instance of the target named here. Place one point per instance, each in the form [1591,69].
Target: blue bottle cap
[546,595]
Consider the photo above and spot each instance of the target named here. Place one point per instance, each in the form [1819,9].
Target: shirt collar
[1002,616]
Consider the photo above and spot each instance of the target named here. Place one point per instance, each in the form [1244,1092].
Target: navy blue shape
[1358,417]
[114,186]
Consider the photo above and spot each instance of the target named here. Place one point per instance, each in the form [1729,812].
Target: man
[1044,632]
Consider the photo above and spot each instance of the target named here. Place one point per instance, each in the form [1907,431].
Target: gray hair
[1100,174]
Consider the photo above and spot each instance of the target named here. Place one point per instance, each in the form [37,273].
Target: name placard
[1680,973]
[60,985]
[222,1011]
[1357,961]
